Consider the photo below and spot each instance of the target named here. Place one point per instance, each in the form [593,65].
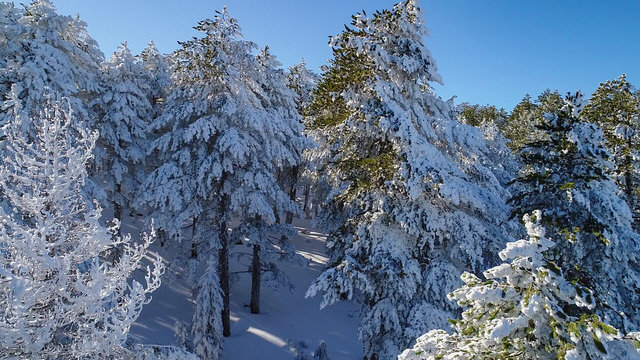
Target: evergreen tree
[207,320]
[479,115]
[287,143]
[59,299]
[223,139]
[489,120]
[521,125]
[49,54]
[158,76]
[10,29]
[615,108]
[565,175]
[123,115]
[303,82]
[412,204]
[525,310]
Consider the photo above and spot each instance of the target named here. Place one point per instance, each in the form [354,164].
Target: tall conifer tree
[566,176]
[123,114]
[412,205]
[224,136]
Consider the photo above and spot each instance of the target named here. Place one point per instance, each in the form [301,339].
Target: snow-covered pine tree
[526,310]
[9,47]
[481,115]
[207,319]
[413,205]
[123,114]
[180,333]
[54,55]
[286,145]
[615,108]
[158,76]
[58,298]
[520,127]
[565,176]
[223,138]
[303,82]
[489,120]
[296,79]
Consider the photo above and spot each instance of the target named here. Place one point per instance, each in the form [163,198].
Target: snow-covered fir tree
[303,82]
[286,124]
[500,159]
[481,115]
[58,298]
[158,76]
[223,138]
[207,319]
[9,47]
[123,114]
[526,309]
[615,108]
[565,176]
[520,127]
[413,206]
[48,54]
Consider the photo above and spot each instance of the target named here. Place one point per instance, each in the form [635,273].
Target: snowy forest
[211,204]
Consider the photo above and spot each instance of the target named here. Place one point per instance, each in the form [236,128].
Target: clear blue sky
[488,52]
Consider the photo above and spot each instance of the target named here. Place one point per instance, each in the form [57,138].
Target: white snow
[286,318]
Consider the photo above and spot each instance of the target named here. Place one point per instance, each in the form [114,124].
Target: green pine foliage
[615,108]
[555,168]
[482,115]
[565,174]
[520,126]
[525,310]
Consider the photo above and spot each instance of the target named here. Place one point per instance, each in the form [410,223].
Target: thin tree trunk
[223,269]
[289,218]
[194,242]
[292,192]
[307,190]
[277,214]
[255,280]
[117,210]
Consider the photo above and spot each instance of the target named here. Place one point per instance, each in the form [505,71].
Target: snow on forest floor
[286,318]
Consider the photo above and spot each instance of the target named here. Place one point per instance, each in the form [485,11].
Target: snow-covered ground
[286,319]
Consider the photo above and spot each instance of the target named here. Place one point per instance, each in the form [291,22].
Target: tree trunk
[194,242]
[289,218]
[292,192]
[223,269]
[305,205]
[255,281]
[277,214]
[117,210]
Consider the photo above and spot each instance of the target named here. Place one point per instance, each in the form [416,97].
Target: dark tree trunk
[305,206]
[289,219]
[117,211]
[223,269]
[292,192]
[277,214]
[194,242]
[255,281]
